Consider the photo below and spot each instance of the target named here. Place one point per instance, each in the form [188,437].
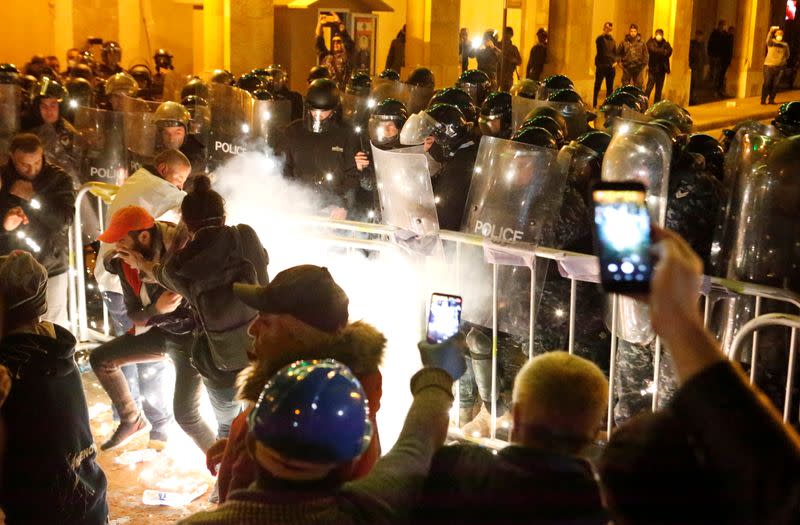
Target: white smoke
[385,288]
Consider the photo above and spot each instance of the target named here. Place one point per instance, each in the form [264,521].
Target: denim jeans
[146,381]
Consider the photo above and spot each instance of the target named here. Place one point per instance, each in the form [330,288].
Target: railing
[342,233]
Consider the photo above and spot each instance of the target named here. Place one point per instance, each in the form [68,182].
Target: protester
[774,63]
[697,63]
[488,56]
[396,59]
[303,314]
[728,458]
[203,272]
[511,59]
[338,59]
[37,203]
[559,401]
[632,53]
[538,56]
[300,460]
[604,62]
[464,48]
[49,473]
[659,52]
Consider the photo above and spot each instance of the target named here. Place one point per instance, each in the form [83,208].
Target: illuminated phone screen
[444,318]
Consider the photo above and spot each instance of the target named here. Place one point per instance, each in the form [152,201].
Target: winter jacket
[488,60]
[472,484]
[511,59]
[632,53]
[49,473]
[739,434]
[324,162]
[204,272]
[536,61]
[49,222]
[384,496]
[777,52]
[606,51]
[658,56]
[61,146]
[340,66]
[451,186]
[396,59]
[716,43]
[147,190]
[359,346]
[181,320]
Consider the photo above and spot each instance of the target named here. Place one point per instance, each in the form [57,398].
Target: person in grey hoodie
[774,63]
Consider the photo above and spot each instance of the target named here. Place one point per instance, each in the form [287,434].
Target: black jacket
[396,58]
[606,51]
[658,56]
[324,162]
[49,224]
[49,470]
[470,484]
[296,99]
[451,187]
[632,53]
[536,61]
[204,272]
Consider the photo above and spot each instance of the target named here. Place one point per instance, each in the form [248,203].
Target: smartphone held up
[444,317]
[622,233]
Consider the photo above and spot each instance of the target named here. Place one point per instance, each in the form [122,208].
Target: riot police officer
[476,83]
[172,120]
[164,67]
[320,150]
[495,116]
[788,119]
[280,87]
[111,55]
[144,77]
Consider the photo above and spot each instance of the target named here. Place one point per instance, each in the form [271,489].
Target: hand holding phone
[622,236]
[444,317]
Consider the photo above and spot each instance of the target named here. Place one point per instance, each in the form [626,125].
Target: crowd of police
[511,166]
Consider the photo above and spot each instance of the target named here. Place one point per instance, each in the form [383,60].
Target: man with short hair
[604,61]
[559,401]
[162,326]
[632,53]
[50,473]
[157,189]
[538,56]
[37,203]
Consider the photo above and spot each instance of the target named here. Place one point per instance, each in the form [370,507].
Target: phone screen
[622,232]
[444,317]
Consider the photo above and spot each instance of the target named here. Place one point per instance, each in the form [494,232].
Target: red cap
[126,220]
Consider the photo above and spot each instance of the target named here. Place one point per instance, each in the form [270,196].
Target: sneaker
[126,432]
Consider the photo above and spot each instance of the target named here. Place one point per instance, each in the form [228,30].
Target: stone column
[63,34]
[672,16]
[252,30]
[215,31]
[571,49]
[745,75]
[432,38]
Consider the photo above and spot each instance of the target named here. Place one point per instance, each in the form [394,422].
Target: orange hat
[126,220]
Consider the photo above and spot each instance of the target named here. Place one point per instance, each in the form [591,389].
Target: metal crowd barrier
[350,235]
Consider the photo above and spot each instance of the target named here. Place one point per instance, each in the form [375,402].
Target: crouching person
[49,470]
[312,422]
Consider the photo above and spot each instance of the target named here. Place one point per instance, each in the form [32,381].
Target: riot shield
[750,144]
[136,105]
[639,152]
[231,122]
[383,88]
[102,136]
[515,196]
[173,83]
[416,98]
[141,136]
[613,116]
[405,191]
[355,110]
[10,107]
[574,114]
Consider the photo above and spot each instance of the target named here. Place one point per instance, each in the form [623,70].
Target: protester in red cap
[302,314]
[163,324]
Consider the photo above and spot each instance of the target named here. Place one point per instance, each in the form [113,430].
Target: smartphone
[622,236]
[444,317]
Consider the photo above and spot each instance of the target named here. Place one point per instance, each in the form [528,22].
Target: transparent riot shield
[10,107]
[405,191]
[383,88]
[515,196]
[416,98]
[613,116]
[231,122]
[141,138]
[173,83]
[639,152]
[102,137]
[137,105]
[574,114]
[355,110]
[750,144]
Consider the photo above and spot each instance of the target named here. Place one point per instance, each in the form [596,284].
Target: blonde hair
[563,393]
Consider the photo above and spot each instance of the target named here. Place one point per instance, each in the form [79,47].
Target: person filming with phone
[338,59]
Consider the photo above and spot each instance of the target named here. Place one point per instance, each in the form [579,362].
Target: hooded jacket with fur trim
[359,346]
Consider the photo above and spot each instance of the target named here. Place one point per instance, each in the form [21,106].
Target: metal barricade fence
[366,237]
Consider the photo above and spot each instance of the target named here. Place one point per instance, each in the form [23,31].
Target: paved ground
[713,117]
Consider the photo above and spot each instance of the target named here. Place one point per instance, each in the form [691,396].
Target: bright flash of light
[476,42]
[245,128]
[266,115]
[73,104]
[357,129]
[35,204]
[371,103]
